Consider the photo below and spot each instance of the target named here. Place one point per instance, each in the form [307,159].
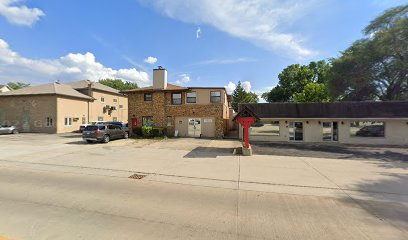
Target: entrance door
[295,131]
[330,131]
[194,127]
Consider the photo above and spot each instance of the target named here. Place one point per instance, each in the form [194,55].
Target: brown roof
[95,85]
[170,87]
[47,89]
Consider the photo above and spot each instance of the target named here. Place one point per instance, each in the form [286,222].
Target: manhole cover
[137,176]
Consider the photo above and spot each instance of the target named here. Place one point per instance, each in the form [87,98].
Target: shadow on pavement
[331,151]
[384,199]
[71,135]
[209,152]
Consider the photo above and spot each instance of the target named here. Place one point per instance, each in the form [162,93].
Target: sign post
[246,118]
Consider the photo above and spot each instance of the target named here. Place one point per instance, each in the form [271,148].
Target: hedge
[149,132]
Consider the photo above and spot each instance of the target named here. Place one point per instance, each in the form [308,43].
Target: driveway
[197,189]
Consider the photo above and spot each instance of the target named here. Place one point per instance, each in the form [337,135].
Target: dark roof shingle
[391,109]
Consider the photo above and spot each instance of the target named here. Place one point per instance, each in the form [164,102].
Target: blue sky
[200,42]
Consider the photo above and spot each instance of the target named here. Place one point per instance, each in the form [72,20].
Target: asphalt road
[49,190]
[47,205]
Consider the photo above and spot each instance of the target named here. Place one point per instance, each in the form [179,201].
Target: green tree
[119,84]
[241,96]
[294,78]
[312,92]
[17,85]
[375,67]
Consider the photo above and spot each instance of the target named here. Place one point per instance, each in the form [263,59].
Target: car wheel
[15,131]
[126,136]
[106,139]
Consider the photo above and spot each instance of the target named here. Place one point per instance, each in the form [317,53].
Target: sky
[207,43]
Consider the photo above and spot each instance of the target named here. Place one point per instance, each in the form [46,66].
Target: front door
[194,127]
[295,131]
[330,131]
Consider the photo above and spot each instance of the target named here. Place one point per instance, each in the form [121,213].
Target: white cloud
[230,87]
[259,92]
[184,78]
[198,33]
[19,14]
[225,61]
[246,86]
[73,66]
[262,22]
[150,60]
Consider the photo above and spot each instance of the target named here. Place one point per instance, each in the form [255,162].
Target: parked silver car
[4,129]
[103,133]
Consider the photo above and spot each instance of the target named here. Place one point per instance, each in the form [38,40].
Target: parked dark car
[124,126]
[4,129]
[103,133]
[371,131]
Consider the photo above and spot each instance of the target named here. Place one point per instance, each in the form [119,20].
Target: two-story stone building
[184,111]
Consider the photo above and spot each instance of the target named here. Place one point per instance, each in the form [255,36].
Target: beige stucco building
[340,122]
[184,111]
[60,108]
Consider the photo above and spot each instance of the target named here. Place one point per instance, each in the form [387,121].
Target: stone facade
[161,107]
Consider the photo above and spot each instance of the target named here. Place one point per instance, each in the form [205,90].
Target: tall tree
[312,92]
[119,84]
[17,85]
[294,78]
[375,67]
[241,96]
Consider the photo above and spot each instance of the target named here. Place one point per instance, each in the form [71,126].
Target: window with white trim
[215,96]
[192,97]
[49,122]
[68,121]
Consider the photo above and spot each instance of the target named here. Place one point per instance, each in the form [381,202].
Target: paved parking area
[361,191]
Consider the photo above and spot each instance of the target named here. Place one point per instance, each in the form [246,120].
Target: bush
[137,131]
[158,132]
[147,131]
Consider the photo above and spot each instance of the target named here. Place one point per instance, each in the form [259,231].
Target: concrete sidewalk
[371,194]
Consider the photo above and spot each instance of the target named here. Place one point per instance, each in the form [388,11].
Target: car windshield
[94,128]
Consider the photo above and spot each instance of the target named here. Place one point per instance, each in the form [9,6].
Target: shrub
[137,131]
[158,132]
[147,131]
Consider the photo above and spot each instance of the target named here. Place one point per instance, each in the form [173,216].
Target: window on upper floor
[115,100]
[176,98]
[148,97]
[102,99]
[192,97]
[215,96]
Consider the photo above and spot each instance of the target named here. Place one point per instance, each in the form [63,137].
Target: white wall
[396,132]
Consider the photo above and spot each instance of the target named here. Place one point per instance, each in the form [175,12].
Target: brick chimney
[160,78]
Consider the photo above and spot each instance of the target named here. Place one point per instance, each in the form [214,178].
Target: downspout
[90,93]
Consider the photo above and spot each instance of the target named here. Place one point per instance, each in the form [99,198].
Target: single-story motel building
[384,123]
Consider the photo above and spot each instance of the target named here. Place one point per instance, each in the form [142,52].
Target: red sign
[246,123]
[134,122]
